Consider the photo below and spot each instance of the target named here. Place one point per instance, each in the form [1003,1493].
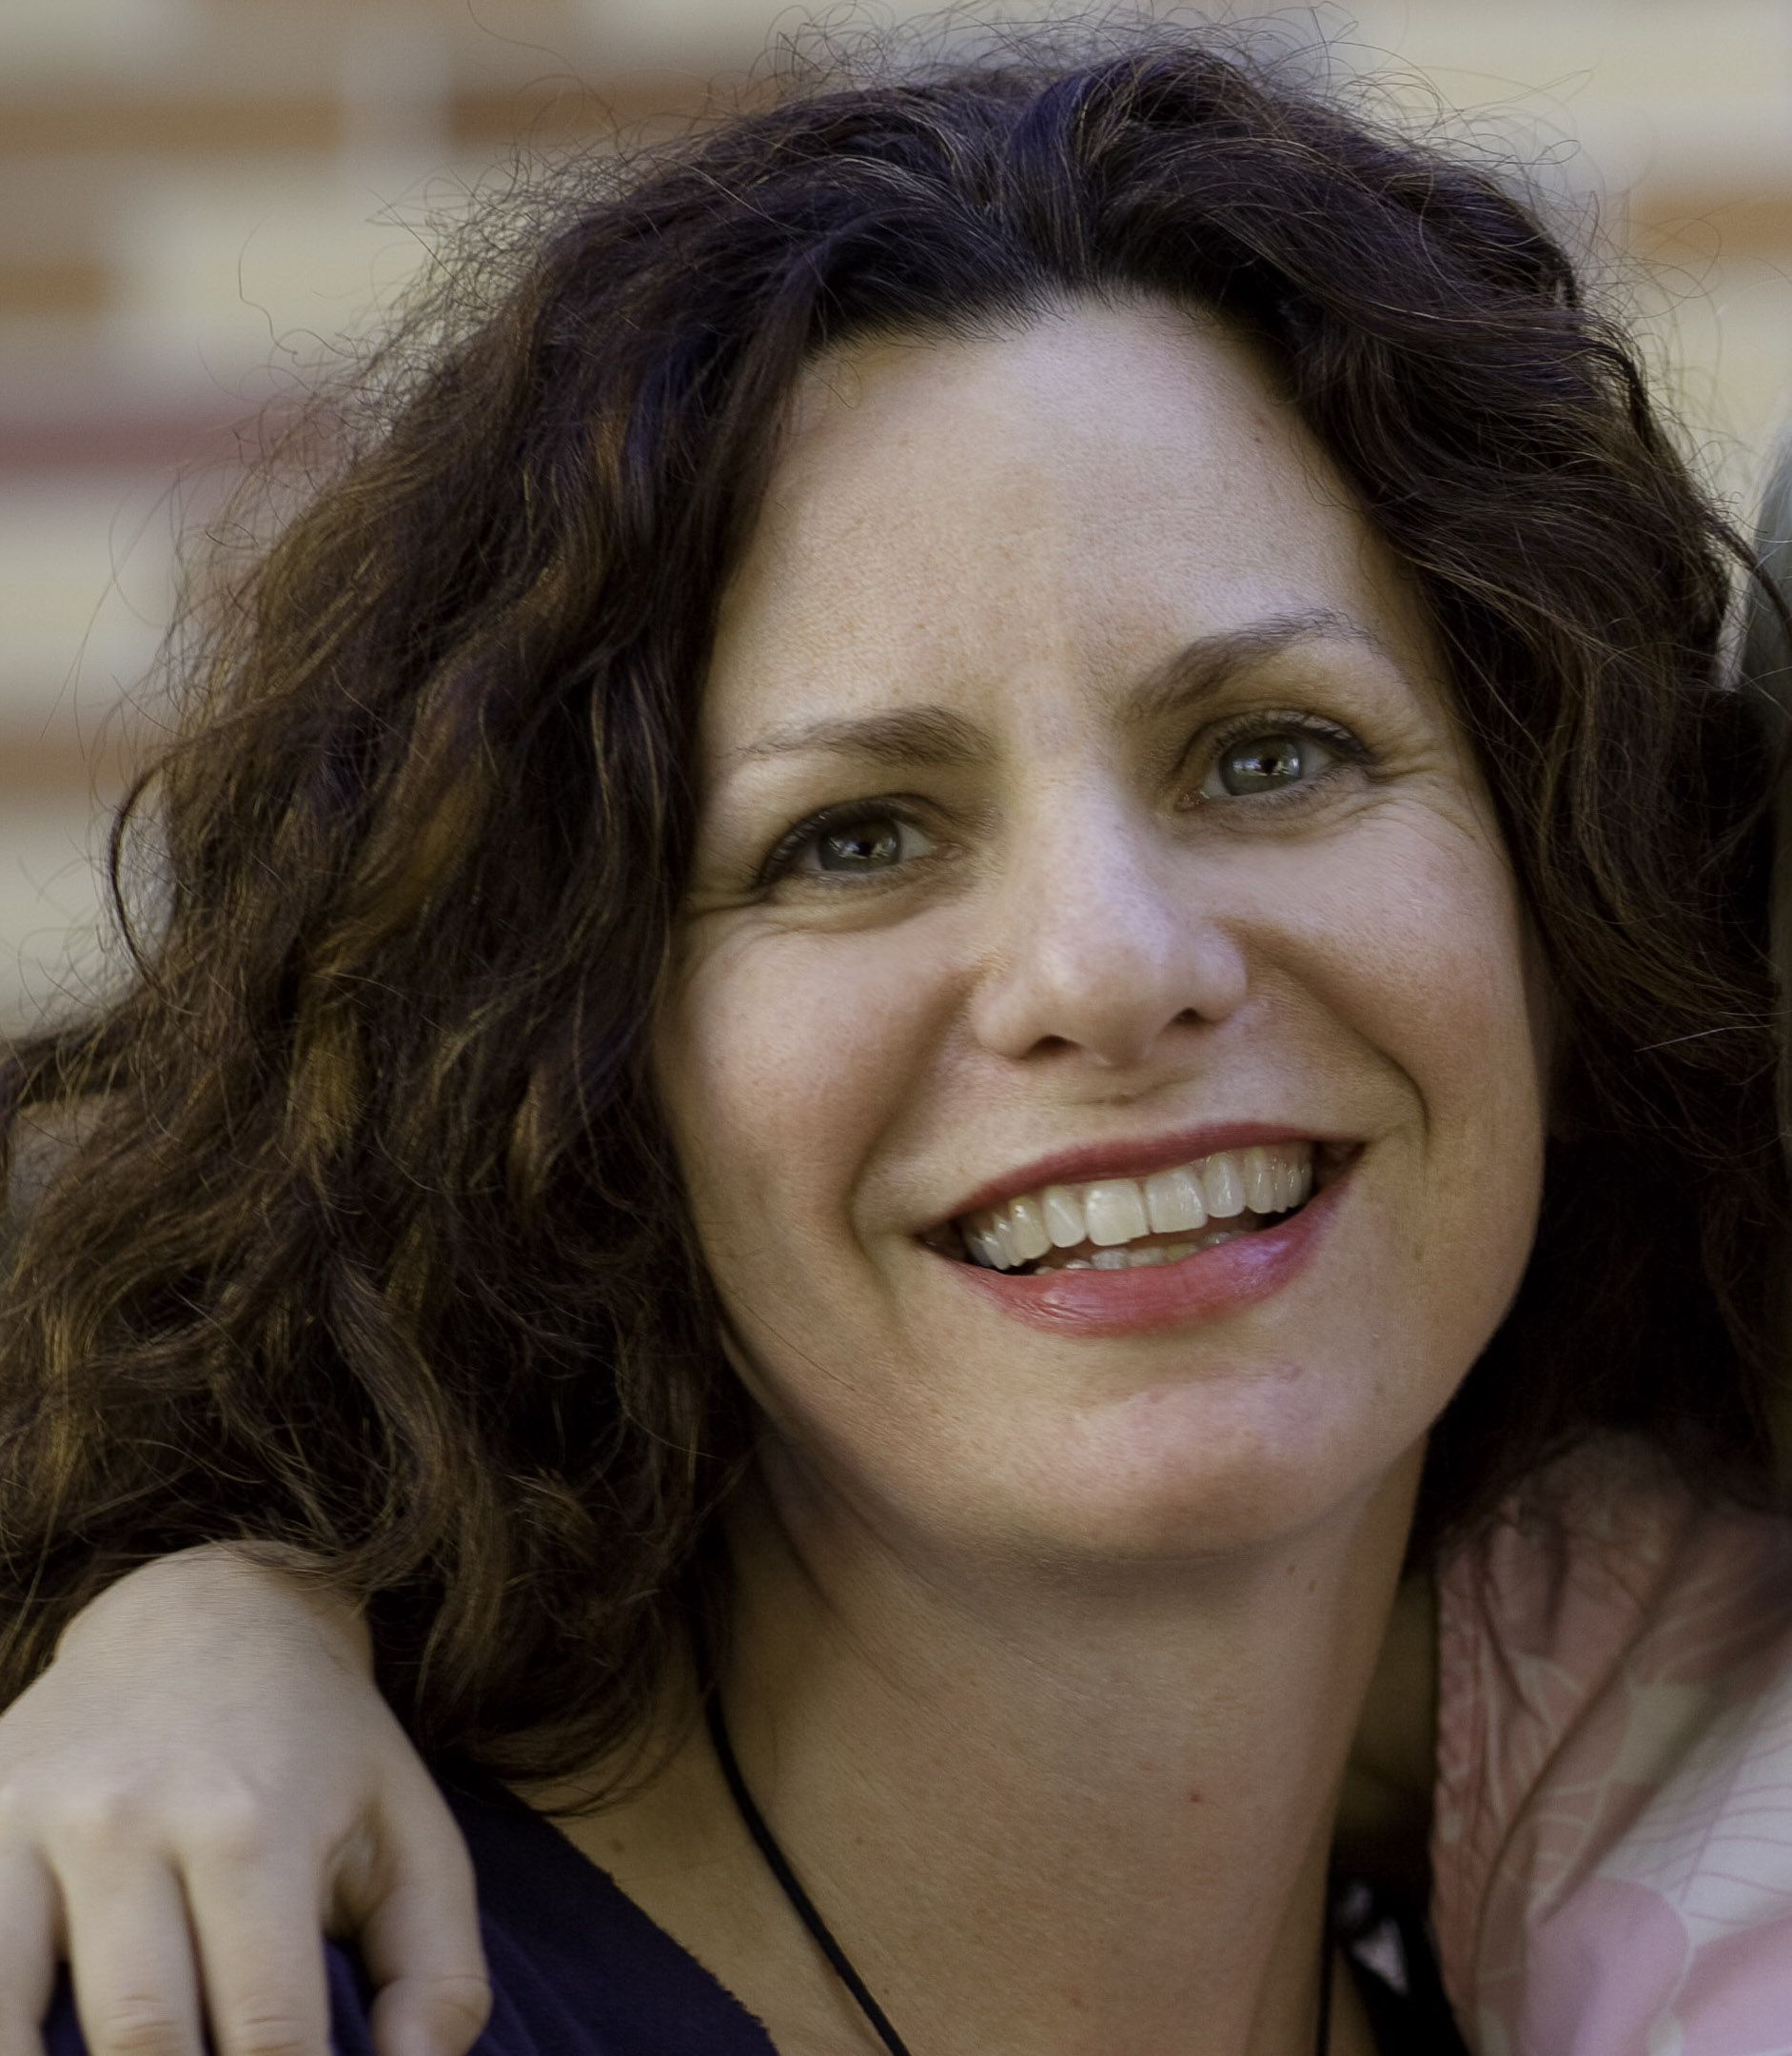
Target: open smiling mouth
[1124,1224]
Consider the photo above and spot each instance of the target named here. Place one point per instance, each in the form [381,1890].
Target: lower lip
[1207,1286]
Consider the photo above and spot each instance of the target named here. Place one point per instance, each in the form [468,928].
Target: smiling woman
[1111,573]
[979,919]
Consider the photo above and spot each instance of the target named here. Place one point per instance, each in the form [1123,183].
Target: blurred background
[198,196]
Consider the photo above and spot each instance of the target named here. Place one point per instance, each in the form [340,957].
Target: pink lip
[1203,1287]
[1126,1159]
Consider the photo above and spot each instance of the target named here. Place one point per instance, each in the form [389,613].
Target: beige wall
[192,192]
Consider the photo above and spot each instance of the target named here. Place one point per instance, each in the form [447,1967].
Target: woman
[978,917]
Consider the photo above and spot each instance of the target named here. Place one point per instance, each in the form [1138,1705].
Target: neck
[1043,1809]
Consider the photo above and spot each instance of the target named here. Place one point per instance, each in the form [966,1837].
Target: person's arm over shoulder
[204,1779]
[1612,1847]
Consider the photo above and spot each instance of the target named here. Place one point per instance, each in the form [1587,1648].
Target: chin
[1182,1473]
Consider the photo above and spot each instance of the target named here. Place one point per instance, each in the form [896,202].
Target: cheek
[1414,930]
[1427,956]
[783,1059]
[1439,963]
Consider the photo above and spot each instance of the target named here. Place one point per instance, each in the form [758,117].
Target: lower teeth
[1131,1259]
[1140,1260]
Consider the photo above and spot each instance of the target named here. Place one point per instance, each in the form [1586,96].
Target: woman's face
[1089,863]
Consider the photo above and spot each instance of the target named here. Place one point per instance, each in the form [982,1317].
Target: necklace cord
[800,1901]
[1327,1950]
[806,1912]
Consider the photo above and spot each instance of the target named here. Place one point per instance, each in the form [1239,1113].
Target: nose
[1101,940]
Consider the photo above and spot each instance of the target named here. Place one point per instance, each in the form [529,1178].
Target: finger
[136,1989]
[430,2014]
[260,1943]
[29,1946]
[419,1940]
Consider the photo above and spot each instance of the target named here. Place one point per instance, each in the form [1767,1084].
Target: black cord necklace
[805,1907]
[792,1892]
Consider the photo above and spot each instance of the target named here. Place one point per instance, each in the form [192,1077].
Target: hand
[203,1780]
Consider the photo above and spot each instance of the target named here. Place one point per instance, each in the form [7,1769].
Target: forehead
[1071,500]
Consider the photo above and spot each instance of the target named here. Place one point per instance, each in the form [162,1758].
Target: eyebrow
[1210,662]
[925,734]
[937,735]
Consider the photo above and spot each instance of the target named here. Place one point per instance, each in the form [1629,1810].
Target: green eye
[865,845]
[1267,763]
[871,839]
[868,845]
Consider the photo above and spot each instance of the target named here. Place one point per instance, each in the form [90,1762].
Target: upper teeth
[1110,1212]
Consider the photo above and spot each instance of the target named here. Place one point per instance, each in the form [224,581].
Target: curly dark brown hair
[373,1243]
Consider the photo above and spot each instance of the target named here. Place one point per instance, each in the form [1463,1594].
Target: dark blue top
[576,1968]
[579,1969]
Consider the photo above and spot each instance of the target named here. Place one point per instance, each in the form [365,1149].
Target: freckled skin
[1020,527]
[1046,1651]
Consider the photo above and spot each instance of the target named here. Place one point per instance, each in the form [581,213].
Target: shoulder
[1612,1838]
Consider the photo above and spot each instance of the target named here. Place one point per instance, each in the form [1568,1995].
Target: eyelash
[780,860]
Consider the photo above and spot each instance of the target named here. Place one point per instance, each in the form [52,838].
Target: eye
[855,845]
[1266,760]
